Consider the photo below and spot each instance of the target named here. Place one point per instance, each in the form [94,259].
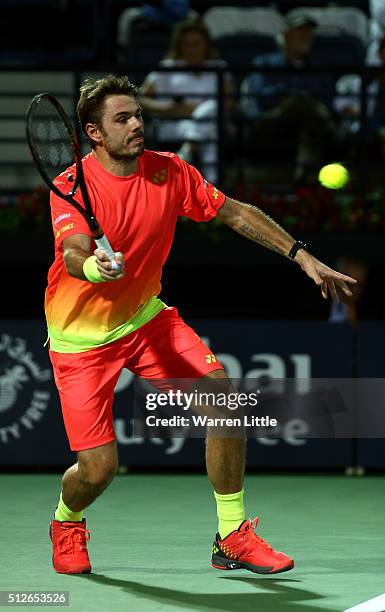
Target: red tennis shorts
[163,348]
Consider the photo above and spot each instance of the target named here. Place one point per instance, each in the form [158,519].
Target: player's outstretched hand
[328,279]
[105,266]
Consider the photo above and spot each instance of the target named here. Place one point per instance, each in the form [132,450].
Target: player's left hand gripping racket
[54,146]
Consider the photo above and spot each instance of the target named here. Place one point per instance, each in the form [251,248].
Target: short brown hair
[93,92]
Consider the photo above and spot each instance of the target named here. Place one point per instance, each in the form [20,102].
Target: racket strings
[51,139]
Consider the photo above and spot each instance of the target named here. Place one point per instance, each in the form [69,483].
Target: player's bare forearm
[254,224]
[74,259]
[251,222]
[77,249]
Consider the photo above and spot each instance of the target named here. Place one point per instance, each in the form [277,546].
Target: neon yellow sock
[63,513]
[230,511]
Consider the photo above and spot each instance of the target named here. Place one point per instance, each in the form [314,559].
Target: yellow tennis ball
[333,176]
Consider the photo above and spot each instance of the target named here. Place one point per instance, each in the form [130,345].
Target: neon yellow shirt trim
[77,343]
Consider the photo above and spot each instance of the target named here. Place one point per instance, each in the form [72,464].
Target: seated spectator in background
[376,30]
[349,309]
[347,104]
[288,104]
[189,97]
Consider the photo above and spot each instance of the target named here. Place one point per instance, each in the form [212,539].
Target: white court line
[377,604]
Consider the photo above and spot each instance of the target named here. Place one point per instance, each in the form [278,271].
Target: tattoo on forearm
[251,233]
[247,228]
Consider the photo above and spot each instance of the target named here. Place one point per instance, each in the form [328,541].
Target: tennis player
[102,319]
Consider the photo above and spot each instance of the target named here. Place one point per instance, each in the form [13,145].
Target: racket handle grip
[102,243]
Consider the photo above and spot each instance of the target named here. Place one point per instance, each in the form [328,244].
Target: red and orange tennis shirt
[138,214]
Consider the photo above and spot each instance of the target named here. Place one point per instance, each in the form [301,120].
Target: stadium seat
[123,25]
[230,20]
[287,5]
[240,49]
[341,37]
[338,20]
[144,50]
[338,50]
[139,42]
[240,33]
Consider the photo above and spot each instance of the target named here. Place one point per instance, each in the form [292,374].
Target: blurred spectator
[288,103]
[350,309]
[347,103]
[179,94]
[377,31]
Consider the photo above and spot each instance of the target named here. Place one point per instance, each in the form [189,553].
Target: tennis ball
[333,176]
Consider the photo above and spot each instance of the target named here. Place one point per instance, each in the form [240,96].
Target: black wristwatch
[296,247]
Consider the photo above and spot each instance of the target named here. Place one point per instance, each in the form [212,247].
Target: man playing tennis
[102,319]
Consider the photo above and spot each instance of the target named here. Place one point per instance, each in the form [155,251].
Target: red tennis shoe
[69,542]
[243,549]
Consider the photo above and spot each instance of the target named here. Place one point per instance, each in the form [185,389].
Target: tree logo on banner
[24,397]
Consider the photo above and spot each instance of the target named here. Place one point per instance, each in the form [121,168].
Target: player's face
[122,129]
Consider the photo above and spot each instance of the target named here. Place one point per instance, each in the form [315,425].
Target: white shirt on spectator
[189,87]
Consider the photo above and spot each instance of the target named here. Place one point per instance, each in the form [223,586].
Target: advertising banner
[31,425]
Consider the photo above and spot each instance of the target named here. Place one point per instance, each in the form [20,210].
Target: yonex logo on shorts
[211,358]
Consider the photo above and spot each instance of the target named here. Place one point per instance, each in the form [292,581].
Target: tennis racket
[54,146]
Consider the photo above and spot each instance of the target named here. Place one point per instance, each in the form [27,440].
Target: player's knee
[99,474]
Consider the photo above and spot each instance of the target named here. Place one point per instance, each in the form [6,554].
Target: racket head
[55,147]
[53,142]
